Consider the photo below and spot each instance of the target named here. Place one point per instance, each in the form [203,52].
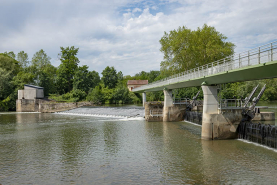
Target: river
[44,148]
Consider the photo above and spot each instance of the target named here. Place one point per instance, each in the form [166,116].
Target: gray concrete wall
[30,94]
[264,116]
[37,105]
[26,105]
[39,93]
[20,94]
[224,125]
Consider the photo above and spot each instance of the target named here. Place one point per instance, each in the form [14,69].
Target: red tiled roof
[137,82]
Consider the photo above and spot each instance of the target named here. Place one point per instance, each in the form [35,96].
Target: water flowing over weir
[258,133]
[121,112]
[194,117]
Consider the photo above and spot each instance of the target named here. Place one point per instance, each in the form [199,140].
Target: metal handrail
[261,54]
[225,103]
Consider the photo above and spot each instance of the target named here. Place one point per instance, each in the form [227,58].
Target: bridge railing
[181,101]
[261,54]
[232,103]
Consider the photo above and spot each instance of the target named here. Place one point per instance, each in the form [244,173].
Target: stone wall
[57,107]
[38,105]
[154,112]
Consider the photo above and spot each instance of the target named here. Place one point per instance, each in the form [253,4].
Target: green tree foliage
[110,77]
[9,68]
[96,96]
[188,92]
[67,69]
[85,79]
[23,59]
[121,95]
[120,76]
[5,85]
[9,64]
[185,49]
[10,54]
[44,73]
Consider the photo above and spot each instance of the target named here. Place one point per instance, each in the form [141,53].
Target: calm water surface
[38,148]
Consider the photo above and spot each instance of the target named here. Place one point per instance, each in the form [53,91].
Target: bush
[72,96]
[96,96]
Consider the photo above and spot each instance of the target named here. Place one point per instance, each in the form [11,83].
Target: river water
[76,148]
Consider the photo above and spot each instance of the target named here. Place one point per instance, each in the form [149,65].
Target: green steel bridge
[255,64]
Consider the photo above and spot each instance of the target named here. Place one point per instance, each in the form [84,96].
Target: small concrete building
[131,84]
[31,92]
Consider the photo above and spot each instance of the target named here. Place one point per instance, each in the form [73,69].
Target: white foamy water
[257,144]
[114,112]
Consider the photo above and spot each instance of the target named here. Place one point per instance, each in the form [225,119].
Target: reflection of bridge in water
[255,64]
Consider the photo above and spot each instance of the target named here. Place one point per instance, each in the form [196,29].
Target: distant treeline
[183,49]
[68,82]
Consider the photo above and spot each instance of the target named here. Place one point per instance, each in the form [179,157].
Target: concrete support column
[210,106]
[168,102]
[143,98]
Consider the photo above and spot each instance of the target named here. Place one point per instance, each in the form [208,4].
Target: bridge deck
[255,64]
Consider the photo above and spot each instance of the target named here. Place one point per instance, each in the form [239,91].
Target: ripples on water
[77,149]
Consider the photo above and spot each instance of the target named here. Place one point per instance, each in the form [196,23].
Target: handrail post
[271,49]
[259,55]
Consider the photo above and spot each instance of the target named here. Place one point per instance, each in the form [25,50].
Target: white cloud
[125,34]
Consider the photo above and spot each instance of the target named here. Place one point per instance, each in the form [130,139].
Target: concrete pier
[143,98]
[210,106]
[168,102]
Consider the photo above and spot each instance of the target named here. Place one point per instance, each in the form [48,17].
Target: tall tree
[44,73]
[85,79]
[185,49]
[109,77]
[23,59]
[40,59]
[67,69]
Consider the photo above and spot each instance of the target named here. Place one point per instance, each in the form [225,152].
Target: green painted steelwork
[249,73]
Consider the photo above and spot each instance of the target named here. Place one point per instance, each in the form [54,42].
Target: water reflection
[111,132]
[62,149]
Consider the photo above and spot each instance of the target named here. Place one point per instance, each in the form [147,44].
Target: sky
[126,33]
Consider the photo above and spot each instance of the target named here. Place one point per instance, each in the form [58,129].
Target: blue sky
[126,33]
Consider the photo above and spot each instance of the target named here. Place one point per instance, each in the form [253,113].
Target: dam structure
[217,122]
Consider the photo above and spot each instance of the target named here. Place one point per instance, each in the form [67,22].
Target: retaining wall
[38,105]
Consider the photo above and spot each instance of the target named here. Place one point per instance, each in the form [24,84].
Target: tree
[152,76]
[121,95]
[44,73]
[22,58]
[9,64]
[10,54]
[96,95]
[67,69]
[110,77]
[9,68]
[120,76]
[185,49]
[40,59]
[85,79]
